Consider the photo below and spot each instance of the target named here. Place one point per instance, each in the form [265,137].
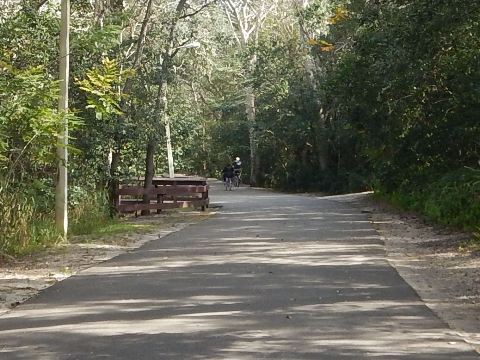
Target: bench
[164,193]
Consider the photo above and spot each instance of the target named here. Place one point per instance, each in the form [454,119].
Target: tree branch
[142,35]
[40,4]
[232,25]
[198,10]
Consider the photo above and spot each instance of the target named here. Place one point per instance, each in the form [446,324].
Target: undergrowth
[23,227]
[473,244]
[27,223]
[89,211]
[452,199]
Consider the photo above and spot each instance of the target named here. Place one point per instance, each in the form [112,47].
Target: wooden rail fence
[164,193]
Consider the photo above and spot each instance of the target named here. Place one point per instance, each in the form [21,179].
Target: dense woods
[325,95]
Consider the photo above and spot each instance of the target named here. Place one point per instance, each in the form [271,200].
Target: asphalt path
[271,276]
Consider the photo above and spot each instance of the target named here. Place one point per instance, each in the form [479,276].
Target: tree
[171,46]
[246,19]
[312,41]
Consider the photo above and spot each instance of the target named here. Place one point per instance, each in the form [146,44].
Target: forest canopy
[323,95]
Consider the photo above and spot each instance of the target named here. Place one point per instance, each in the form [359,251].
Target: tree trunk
[246,23]
[149,171]
[322,140]
[113,183]
[250,112]
[118,138]
[167,56]
[168,139]
[152,143]
[313,71]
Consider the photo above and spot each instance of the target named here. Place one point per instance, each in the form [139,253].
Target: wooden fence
[164,193]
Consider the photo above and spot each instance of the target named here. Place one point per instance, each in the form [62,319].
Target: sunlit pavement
[271,276]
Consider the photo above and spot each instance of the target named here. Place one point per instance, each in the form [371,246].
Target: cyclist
[237,168]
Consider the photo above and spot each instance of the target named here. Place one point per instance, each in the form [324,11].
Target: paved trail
[271,276]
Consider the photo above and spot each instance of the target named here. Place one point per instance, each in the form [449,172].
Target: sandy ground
[427,257]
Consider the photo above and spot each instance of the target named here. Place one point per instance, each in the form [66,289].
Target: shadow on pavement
[271,276]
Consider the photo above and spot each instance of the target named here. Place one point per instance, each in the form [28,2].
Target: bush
[453,199]
[23,227]
[88,211]
[28,220]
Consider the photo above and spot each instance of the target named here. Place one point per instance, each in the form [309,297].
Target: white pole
[61,194]
[166,122]
[171,172]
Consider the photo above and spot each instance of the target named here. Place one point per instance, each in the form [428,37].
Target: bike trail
[271,276]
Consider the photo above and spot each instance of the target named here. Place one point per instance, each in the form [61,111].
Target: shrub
[23,227]
[88,211]
[453,199]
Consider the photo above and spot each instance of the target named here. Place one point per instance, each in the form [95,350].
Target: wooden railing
[164,193]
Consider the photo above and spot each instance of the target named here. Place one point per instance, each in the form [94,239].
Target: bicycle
[236,179]
[228,184]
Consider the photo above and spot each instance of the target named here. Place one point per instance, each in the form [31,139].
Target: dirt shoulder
[429,258]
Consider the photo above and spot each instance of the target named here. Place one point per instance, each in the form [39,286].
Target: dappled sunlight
[294,278]
[118,270]
[266,219]
[356,307]
[175,325]
[260,250]
[348,196]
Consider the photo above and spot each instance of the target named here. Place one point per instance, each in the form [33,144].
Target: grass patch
[24,227]
[89,212]
[27,224]
[114,231]
[120,227]
[472,245]
[452,199]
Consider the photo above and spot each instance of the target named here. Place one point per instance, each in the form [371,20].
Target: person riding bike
[237,167]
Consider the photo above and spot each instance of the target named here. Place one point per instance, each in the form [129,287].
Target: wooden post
[159,199]
[205,197]
[116,196]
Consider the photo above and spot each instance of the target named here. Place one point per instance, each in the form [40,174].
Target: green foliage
[401,96]
[116,226]
[27,220]
[95,42]
[25,227]
[228,140]
[29,123]
[412,98]
[89,211]
[29,39]
[377,94]
[452,199]
[102,86]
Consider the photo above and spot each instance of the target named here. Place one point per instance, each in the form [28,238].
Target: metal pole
[61,194]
